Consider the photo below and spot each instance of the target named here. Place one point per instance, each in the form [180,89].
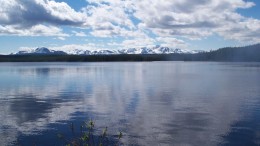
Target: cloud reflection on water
[155,103]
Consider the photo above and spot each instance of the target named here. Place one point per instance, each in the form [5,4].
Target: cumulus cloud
[28,13]
[134,22]
[109,19]
[245,31]
[195,19]
[180,14]
[23,16]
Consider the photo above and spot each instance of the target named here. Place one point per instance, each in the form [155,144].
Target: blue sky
[114,24]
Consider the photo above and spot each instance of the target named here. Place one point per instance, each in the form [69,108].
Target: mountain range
[249,53]
[143,50]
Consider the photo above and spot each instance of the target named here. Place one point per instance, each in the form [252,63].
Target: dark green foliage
[236,54]
[87,136]
[81,58]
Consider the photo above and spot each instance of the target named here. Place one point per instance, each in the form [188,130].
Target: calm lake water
[152,103]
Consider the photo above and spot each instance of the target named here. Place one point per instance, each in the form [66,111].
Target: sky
[117,24]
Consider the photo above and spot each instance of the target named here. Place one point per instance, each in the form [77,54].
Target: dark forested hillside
[230,54]
[247,53]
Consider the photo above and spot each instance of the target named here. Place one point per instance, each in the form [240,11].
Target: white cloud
[110,19]
[79,34]
[72,47]
[107,29]
[244,31]
[173,42]
[135,22]
[195,19]
[190,33]
[37,17]
[138,42]
[32,12]
[36,30]
[61,38]
[113,13]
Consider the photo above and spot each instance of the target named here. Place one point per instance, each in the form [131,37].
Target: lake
[152,103]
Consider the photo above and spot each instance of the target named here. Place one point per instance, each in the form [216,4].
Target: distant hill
[229,54]
[246,53]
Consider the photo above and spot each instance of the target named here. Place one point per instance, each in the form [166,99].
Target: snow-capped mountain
[143,50]
[41,50]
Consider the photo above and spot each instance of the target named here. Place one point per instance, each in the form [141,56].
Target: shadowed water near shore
[152,103]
